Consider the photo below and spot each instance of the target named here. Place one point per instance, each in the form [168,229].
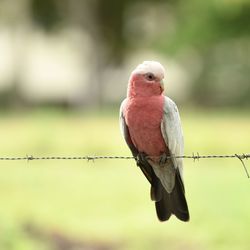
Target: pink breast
[143,116]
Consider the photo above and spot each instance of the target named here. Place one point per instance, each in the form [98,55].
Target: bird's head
[147,79]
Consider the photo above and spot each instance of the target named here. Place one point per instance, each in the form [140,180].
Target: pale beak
[162,84]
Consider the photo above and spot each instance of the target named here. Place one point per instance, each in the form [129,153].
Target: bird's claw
[163,159]
[141,158]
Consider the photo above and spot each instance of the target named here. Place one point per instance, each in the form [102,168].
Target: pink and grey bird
[150,124]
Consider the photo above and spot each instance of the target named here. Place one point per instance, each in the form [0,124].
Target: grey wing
[172,132]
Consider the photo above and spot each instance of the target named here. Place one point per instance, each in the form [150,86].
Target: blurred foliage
[204,24]
[108,21]
[201,24]
[218,31]
[45,13]
[209,39]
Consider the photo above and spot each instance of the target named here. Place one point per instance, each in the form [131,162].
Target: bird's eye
[150,76]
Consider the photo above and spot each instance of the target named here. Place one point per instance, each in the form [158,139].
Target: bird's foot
[163,159]
[141,159]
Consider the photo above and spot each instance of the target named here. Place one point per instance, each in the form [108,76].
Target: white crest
[150,67]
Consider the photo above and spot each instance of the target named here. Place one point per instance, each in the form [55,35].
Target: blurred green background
[64,66]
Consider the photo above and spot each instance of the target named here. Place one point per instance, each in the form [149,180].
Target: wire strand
[194,156]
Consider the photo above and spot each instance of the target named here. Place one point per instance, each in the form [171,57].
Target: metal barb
[241,157]
[29,158]
[90,158]
[246,156]
[196,157]
[193,156]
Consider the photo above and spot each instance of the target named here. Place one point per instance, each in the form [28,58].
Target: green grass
[106,203]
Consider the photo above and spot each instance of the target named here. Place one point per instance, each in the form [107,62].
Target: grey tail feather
[173,203]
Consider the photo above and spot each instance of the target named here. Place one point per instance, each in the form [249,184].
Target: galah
[150,124]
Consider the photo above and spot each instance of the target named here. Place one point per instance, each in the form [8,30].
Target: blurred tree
[219,31]
[104,20]
[45,13]
[208,27]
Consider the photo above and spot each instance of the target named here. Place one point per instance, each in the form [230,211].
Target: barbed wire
[194,156]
